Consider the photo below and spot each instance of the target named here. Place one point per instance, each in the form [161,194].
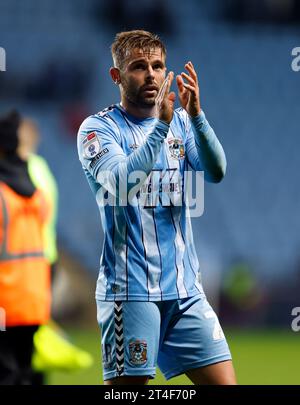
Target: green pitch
[260,357]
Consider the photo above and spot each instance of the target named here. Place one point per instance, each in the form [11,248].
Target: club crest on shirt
[176,148]
[138,352]
[91,145]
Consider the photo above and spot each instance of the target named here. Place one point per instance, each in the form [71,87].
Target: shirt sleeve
[204,151]
[101,154]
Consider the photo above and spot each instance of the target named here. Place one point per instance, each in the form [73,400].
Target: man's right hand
[165,100]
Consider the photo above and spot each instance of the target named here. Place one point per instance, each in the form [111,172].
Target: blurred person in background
[52,349]
[151,305]
[24,269]
[43,179]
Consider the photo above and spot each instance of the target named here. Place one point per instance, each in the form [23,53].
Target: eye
[139,66]
[157,66]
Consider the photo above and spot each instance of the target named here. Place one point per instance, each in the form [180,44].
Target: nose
[150,72]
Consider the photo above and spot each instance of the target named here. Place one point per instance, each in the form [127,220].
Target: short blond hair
[126,41]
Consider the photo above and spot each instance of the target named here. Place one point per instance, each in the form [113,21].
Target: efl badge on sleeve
[138,352]
[91,145]
[176,148]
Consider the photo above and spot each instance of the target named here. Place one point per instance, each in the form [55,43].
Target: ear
[115,75]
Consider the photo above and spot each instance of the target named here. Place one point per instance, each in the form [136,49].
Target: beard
[137,95]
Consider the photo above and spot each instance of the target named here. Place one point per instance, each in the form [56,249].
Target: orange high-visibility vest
[24,271]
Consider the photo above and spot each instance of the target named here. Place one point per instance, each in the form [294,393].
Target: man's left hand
[189,94]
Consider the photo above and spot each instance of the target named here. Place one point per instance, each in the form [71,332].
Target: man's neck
[137,111]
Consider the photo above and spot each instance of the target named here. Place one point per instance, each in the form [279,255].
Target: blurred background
[248,240]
